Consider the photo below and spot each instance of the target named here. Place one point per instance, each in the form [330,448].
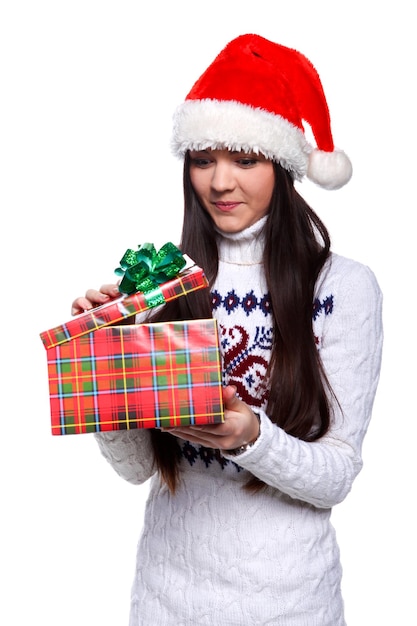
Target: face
[235,188]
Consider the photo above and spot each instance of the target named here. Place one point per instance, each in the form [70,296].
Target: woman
[237,528]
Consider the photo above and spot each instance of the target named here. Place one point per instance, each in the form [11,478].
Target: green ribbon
[145,269]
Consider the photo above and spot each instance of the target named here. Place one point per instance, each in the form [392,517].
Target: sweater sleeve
[322,472]
[129,452]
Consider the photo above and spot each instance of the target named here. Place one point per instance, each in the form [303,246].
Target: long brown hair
[296,246]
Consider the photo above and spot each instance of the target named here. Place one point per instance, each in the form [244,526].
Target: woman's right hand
[93,298]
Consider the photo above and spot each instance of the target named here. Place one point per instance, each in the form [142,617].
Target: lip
[226,206]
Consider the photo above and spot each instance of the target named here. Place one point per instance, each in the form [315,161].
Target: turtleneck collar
[245,247]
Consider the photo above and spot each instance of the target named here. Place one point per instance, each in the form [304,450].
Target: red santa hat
[254,97]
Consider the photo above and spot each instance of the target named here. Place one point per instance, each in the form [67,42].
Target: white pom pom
[330,170]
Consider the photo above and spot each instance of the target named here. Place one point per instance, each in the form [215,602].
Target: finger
[203,433]
[196,431]
[230,399]
[80,305]
[229,392]
[199,438]
[96,297]
[110,290]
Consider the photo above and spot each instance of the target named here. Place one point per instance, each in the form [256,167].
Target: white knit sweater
[216,555]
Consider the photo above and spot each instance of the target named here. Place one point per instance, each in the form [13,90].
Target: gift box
[104,376]
[136,376]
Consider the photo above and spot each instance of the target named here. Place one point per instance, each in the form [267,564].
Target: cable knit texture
[215,554]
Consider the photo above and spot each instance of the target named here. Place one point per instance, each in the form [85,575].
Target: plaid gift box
[139,376]
[106,377]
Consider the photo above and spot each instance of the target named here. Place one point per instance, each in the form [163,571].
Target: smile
[226,206]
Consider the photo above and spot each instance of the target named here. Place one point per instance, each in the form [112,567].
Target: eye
[200,162]
[247,161]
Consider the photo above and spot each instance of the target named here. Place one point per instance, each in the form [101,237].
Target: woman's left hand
[240,426]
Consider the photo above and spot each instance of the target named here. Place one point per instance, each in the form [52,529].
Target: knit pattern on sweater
[245,357]
[215,554]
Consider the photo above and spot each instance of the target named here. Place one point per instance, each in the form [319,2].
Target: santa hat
[254,97]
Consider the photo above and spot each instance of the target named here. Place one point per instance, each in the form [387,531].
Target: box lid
[190,279]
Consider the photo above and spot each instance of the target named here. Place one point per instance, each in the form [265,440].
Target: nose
[222,178]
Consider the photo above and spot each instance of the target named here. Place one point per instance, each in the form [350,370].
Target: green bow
[145,269]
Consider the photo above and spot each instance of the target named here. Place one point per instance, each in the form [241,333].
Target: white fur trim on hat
[218,124]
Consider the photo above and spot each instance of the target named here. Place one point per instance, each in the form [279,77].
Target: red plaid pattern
[136,376]
[125,306]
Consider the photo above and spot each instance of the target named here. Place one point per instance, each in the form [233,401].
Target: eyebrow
[234,152]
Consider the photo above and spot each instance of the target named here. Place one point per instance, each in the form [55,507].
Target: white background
[88,89]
